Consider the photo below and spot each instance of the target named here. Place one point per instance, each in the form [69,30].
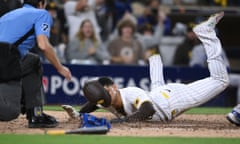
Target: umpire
[20,92]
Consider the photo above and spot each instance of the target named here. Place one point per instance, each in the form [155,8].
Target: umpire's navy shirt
[16,23]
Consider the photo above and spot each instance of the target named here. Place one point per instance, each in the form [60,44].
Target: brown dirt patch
[185,125]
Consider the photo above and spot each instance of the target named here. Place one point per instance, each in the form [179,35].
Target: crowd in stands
[113,32]
[118,31]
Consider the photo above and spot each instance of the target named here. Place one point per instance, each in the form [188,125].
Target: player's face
[113,91]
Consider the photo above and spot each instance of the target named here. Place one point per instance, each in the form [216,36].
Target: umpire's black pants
[18,96]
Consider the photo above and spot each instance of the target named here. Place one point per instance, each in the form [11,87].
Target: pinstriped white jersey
[132,99]
[159,97]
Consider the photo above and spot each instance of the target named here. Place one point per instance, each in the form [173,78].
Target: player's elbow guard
[145,112]
[148,109]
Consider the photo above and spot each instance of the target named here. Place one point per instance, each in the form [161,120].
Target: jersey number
[45,27]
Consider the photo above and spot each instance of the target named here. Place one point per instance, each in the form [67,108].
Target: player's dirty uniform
[170,100]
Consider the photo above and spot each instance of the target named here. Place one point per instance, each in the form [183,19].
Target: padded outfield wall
[60,91]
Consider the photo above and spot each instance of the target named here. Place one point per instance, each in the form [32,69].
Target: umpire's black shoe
[43,121]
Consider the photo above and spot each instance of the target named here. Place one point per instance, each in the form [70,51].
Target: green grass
[93,139]
[207,110]
[198,110]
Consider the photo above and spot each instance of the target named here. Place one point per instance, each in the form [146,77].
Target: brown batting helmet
[96,93]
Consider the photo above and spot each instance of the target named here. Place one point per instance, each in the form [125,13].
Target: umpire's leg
[33,95]
[32,81]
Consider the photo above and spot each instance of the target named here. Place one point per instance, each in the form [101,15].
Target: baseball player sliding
[165,101]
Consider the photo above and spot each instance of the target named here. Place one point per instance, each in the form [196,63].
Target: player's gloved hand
[118,120]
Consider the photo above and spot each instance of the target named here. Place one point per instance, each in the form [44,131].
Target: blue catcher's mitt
[89,121]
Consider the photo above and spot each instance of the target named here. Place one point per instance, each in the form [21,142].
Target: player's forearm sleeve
[88,107]
[145,111]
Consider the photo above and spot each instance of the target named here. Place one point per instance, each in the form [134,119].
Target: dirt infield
[185,125]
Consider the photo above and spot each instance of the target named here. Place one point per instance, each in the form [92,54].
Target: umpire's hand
[64,71]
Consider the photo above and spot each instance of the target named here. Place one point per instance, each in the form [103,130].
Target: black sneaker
[43,121]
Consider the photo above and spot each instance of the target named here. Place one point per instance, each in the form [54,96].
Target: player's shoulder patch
[45,27]
[44,20]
